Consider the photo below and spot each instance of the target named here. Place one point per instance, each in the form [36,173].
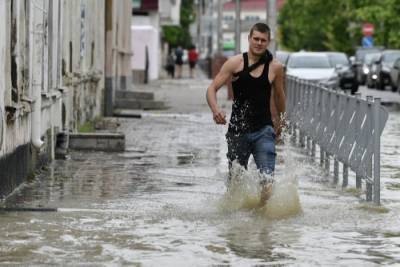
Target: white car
[313,66]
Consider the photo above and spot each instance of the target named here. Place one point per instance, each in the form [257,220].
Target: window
[251,18]
[228,18]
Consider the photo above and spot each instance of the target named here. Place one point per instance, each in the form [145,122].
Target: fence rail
[343,126]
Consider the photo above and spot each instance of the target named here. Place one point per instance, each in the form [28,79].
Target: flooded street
[164,202]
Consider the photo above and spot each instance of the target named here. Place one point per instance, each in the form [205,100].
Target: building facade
[52,77]
[148,18]
[252,11]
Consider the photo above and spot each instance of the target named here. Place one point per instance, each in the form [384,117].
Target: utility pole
[238,26]
[219,30]
[272,23]
[200,26]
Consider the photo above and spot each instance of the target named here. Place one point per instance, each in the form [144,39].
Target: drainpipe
[34,85]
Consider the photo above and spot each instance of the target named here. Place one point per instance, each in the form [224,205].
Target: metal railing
[343,126]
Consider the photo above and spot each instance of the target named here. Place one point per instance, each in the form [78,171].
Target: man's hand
[219,117]
[280,124]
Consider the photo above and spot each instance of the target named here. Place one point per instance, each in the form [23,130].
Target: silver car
[385,64]
[345,71]
[313,66]
[395,75]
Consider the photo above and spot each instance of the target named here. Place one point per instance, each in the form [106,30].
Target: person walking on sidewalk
[179,61]
[170,66]
[255,75]
[193,57]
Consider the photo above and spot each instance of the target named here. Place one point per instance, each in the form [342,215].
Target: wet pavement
[164,202]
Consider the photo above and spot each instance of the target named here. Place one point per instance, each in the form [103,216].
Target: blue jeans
[261,144]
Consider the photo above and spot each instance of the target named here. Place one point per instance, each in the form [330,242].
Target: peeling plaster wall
[15,128]
[83,58]
[59,55]
[3,26]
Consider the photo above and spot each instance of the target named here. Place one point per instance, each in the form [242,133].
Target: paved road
[388,98]
[163,202]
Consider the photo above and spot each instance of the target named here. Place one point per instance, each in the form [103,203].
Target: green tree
[180,35]
[336,24]
[385,16]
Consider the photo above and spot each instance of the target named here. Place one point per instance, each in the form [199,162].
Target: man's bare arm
[279,96]
[222,77]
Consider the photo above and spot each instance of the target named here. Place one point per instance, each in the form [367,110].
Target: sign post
[368,30]
[367,41]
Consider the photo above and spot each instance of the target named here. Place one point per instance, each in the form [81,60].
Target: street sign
[367,41]
[368,29]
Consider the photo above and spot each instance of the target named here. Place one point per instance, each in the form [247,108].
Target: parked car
[313,66]
[395,75]
[385,65]
[345,71]
[360,54]
[370,68]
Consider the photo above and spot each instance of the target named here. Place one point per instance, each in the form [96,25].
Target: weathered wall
[52,75]
[3,27]
[83,59]
[118,49]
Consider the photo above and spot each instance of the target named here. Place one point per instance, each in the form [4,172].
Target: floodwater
[164,202]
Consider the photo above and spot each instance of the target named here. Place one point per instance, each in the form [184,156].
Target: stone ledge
[97,141]
[139,104]
[134,95]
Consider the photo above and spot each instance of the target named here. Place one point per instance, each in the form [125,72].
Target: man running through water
[255,76]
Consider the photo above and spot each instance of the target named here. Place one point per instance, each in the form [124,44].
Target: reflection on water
[164,202]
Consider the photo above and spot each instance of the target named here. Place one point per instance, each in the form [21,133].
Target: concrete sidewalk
[184,95]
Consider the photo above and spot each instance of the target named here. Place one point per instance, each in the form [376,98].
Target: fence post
[321,156]
[335,170]
[377,152]
[301,108]
[313,150]
[369,181]
[327,162]
[345,175]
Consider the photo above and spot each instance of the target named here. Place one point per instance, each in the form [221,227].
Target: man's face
[258,42]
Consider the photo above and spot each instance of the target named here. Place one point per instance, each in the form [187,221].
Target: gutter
[35,86]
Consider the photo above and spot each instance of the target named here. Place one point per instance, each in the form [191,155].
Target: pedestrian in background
[170,65]
[193,57]
[255,76]
[179,61]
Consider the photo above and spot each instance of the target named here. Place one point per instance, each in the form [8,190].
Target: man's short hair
[261,27]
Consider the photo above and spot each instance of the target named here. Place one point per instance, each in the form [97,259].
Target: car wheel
[392,86]
[380,84]
[369,83]
[354,89]
[398,85]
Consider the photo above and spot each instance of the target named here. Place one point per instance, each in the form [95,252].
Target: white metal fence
[343,126]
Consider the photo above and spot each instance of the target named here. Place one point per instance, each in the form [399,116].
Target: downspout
[34,85]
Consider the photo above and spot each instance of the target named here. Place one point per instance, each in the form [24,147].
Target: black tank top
[251,100]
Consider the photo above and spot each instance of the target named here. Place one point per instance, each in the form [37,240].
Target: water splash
[244,188]
[243,193]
